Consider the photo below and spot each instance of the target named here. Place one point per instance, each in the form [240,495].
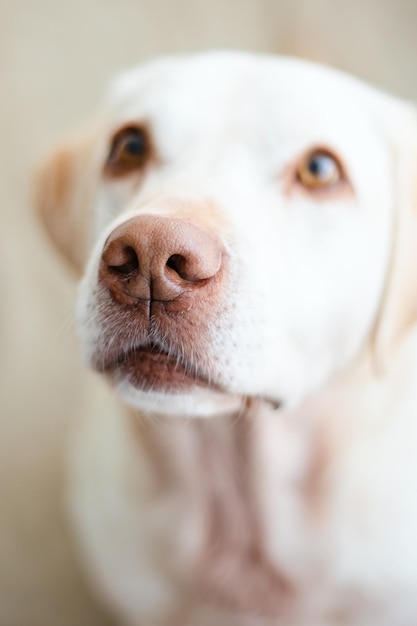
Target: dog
[245,228]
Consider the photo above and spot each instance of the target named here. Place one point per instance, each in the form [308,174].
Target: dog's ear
[64,185]
[398,309]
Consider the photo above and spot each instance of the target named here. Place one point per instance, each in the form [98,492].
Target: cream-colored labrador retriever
[250,225]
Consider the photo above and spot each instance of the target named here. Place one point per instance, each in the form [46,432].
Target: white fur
[308,275]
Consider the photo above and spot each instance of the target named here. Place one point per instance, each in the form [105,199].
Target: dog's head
[251,226]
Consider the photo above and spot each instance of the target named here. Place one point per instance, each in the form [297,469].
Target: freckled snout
[150,258]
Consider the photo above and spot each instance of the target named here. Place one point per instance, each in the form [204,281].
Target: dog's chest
[235,514]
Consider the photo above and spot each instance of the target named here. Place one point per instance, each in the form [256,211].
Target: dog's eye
[130,151]
[319,169]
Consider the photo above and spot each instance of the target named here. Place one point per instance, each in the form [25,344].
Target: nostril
[195,266]
[177,263]
[128,265]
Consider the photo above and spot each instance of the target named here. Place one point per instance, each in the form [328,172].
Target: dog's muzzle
[164,278]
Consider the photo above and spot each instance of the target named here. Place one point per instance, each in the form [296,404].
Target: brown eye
[130,151]
[319,170]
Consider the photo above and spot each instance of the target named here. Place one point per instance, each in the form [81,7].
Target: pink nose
[157,258]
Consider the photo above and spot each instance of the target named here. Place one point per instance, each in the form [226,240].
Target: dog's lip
[150,367]
[178,377]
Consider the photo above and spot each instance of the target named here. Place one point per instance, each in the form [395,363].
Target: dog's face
[242,210]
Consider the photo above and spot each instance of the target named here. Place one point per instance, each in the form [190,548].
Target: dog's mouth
[150,368]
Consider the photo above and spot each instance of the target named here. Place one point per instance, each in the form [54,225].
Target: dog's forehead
[253,88]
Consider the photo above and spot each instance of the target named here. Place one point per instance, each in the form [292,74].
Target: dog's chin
[154,381]
[195,402]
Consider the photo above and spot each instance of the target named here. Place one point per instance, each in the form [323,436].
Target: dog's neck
[214,461]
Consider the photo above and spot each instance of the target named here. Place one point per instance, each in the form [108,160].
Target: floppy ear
[399,303]
[63,196]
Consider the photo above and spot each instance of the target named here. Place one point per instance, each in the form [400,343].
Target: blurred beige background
[55,60]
